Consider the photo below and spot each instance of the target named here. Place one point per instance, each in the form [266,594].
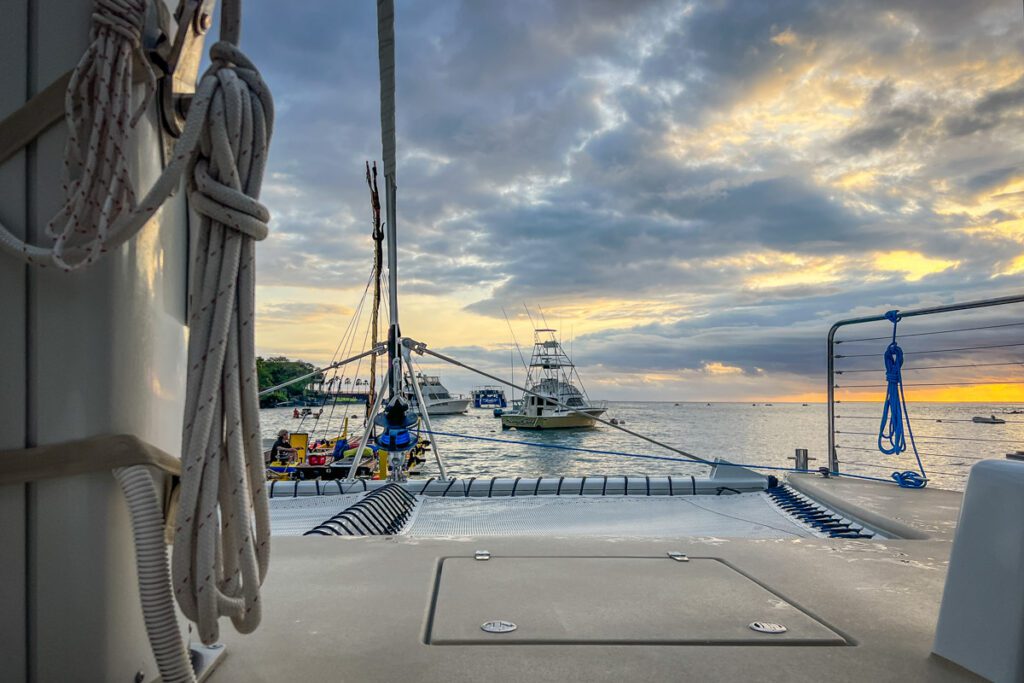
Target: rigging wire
[924,453]
[908,353]
[930,384]
[936,367]
[919,419]
[346,336]
[925,334]
[929,455]
[886,467]
[522,359]
[355,374]
[943,438]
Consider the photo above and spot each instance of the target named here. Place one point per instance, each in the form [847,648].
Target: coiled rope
[891,438]
[221,538]
[221,535]
[99,115]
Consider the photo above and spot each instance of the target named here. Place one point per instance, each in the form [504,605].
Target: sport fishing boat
[147,428]
[439,400]
[489,397]
[553,400]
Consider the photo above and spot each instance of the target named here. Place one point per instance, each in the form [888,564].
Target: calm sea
[948,440]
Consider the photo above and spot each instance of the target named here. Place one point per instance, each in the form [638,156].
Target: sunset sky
[693,192]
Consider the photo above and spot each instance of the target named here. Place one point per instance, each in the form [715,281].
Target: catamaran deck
[408,607]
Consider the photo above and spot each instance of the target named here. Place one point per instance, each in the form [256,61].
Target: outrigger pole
[386,56]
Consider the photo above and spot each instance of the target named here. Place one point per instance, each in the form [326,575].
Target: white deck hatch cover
[611,600]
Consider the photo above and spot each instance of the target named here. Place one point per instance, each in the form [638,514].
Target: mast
[386,56]
[378,258]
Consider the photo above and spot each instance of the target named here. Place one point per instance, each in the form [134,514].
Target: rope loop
[891,435]
[100,119]
[910,480]
[125,17]
[221,542]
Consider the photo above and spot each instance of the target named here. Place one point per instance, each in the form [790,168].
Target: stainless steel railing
[986,350]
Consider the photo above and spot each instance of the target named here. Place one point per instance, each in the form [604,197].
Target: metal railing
[989,336]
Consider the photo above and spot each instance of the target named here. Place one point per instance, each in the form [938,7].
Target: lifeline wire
[891,439]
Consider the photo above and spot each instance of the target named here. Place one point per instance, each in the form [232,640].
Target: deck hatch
[611,600]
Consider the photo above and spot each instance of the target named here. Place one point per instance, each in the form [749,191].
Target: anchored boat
[553,400]
[489,397]
[438,399]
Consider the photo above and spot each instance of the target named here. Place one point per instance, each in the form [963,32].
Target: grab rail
[833,458]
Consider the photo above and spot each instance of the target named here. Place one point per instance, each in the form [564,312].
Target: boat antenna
[532,324]
[386,57]
[378,239]
[543,317]
[514,340]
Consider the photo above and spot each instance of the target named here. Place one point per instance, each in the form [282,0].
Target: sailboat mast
[378,258]
[386,56]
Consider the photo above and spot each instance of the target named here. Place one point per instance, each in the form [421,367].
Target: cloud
[693,185]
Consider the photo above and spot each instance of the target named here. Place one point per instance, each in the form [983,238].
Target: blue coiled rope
[891,439]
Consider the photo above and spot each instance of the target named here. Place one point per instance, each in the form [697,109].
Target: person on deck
[282,449]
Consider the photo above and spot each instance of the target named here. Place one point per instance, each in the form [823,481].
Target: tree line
[279,369]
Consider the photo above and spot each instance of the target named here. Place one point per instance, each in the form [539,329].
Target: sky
[691,192]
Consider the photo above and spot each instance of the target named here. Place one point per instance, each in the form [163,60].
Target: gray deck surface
[360,609]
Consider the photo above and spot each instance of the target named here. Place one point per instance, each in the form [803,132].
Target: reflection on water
[947,439]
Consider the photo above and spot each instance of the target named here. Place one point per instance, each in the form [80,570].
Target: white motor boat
[554,401]
[439,400]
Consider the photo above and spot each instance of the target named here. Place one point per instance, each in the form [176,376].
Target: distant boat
[550,380]
[489,397]
[803,404]
[990,420]
[439,401]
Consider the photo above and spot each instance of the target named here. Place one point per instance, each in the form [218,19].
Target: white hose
[221,537]
[154,574]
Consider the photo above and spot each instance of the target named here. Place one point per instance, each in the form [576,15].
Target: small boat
[990,420]
[489,397]
[439,401]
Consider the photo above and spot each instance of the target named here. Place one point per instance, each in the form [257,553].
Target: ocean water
[948,441]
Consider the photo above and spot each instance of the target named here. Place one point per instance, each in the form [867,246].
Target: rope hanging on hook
[891,438]
[222,530]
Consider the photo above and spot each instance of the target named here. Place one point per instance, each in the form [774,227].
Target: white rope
[221,538]
[99,115]
[102,222]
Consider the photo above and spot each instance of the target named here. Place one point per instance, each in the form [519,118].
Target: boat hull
[451,407]
[571,421]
